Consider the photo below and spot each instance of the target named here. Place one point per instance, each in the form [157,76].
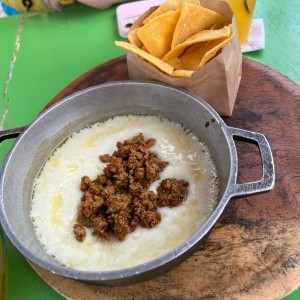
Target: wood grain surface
[254,250]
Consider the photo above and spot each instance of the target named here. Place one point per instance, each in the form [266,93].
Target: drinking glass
[243,11]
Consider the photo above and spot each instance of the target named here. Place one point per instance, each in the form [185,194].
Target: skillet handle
[267,182]
[11,133]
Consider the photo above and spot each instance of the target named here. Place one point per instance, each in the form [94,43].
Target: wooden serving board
[254,250]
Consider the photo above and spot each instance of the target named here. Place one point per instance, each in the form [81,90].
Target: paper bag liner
[217,82]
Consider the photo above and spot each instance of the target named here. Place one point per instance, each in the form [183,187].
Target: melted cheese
[57,193]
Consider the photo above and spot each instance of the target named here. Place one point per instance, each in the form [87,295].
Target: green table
[42,53]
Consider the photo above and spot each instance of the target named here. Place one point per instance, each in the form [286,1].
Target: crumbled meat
[90,204]
[79,232]
[146,212]
[101,227]
[105,158]
[117,201]
[171,192]
[85,183]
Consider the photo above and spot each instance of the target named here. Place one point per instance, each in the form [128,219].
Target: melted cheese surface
[57,194]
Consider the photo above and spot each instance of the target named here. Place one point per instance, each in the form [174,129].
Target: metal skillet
[36,142]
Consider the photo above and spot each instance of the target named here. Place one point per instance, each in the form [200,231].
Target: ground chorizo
[117,201]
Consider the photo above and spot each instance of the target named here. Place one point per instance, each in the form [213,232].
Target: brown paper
[217,82]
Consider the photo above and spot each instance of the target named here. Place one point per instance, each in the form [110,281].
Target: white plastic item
[127,13]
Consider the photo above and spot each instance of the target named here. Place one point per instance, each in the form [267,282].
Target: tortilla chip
[176,63]
[194,18]
[213,51]
[198,54]
[134,39]
[159,64]
[144,49]
[182,73]
[157,35]
[202,36]
[167,6]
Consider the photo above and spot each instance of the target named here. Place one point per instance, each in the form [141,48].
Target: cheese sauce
[56,193]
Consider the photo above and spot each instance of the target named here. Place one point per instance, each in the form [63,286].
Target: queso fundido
[57,193]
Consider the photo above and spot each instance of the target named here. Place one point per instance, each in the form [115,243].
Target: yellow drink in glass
[243,11]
